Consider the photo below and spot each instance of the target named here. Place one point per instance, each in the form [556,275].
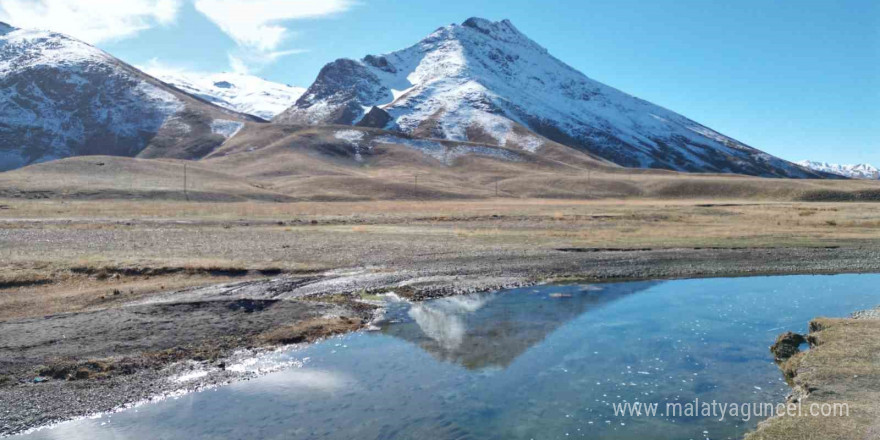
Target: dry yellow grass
[31,288]
[178,244]
[842,368]
[603,223]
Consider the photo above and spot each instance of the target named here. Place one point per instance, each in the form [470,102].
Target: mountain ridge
[61,97]
[242,93]
[854,171]
[484,80]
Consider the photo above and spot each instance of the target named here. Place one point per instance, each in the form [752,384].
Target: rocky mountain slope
[61,97]
[487,82]
[860,171]
[242,93]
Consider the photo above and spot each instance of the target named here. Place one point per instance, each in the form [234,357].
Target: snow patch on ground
[225,127]
[166,103]
[448,154]
[354,137]
[526,142]
[431,148]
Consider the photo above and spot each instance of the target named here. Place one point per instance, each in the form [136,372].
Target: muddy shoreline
[71,365]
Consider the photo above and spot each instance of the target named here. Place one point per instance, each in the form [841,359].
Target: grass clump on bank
[841,368]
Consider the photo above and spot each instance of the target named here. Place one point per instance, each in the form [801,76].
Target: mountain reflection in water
[547,362]
[491,330]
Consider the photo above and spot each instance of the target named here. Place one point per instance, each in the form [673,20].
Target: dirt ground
[101,301]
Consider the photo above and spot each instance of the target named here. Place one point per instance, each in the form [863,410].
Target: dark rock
[376,118]
[380,62]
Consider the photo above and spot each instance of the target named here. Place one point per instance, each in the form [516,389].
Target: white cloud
[93,21]
[258,24]
[259,28]
[238,65]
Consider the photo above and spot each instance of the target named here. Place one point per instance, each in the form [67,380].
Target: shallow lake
[543,362]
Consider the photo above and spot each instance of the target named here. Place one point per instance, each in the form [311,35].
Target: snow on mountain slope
[487,82]
[242,93]
[860,171]
[61,97]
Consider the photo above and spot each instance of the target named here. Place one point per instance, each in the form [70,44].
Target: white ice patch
[188,377]
[266,363]
[354,137]
[226,128]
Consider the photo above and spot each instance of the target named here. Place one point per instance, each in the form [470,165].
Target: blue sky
[798,79]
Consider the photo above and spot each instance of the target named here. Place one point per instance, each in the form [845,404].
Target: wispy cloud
[260,27]
[259,24]
[94,21]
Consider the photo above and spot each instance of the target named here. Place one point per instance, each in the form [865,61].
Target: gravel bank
[149,342]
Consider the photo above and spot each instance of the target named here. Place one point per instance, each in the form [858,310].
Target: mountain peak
[487,26]
[64,97]
[503,31]
[484,81]
[235,91]
[858,171]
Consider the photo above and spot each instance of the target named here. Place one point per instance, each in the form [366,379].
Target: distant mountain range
[243,93]
[480,82]
[485,81]
[860,171]
[61,97]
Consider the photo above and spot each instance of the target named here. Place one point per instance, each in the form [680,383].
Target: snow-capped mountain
[860,171]
[61,97]
[243,93]
[487,82]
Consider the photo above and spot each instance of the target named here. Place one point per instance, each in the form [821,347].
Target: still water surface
[535,363]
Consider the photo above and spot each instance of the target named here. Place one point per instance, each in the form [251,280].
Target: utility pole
[416,184]
[185,195]
[496,188]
